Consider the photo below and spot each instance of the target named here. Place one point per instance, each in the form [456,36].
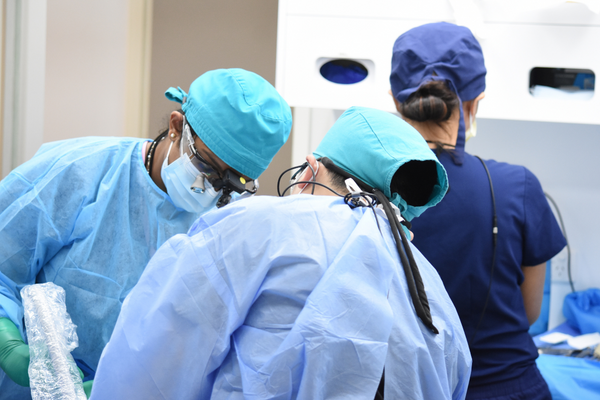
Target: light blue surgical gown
[84,214]
[297,297]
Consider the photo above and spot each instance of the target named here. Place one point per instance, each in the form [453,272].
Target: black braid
[413,277]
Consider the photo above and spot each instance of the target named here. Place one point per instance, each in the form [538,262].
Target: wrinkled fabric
[296,297]
[84,214]
[582,310]
[569,377]
[375,145]
[238,115]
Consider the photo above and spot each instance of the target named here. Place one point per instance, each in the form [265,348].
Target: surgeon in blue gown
[299,297]
[495,276]
[89,213]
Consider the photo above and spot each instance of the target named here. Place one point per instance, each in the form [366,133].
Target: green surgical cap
[238,115]
[372,144]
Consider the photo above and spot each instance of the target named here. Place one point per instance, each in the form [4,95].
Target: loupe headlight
[236,183]
[229,180]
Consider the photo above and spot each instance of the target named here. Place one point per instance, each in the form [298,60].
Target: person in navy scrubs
[494,275]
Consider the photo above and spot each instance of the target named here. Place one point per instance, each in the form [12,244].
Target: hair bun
[433,101]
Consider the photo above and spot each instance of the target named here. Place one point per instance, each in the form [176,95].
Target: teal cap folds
[372,144]
[238,115]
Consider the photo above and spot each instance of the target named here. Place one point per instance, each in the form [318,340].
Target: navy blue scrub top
[456,237]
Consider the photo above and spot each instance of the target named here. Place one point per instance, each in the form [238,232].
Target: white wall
[564,158]
[86,55]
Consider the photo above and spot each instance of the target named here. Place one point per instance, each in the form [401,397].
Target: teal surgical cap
[372,145]
[238,115]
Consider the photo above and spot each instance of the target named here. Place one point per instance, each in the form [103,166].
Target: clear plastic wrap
[53,374]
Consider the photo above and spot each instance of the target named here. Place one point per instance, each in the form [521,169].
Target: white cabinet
[312,32]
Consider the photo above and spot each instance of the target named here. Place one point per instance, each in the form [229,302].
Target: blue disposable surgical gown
[84,214]
[296,297]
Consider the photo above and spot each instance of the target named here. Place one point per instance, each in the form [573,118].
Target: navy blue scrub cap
[439,52]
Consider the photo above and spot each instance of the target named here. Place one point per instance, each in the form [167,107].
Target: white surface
[564,159]
[514,11]
[518,38]
[86,69]
[9,66]
[555,337]
[310,126]
[24,78]
[584,341]
[541,92]
[513,50]
[560,267]
[558,291]
[34,68]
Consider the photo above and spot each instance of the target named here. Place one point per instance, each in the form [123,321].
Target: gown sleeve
[39,203]
[184,302]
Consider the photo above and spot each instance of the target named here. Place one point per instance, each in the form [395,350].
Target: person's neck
[322,191]
[159,155]
[444,133]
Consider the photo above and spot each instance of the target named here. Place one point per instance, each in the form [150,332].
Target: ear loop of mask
[472,131]
[314,177]
[301,167]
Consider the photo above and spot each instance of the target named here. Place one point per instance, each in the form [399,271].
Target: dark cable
[413,277]
[313,177]
[441,144]
[564,231]
[152,149]
[381,387]
[352,199]
[495,245]
[376,219]
[312,183]
[300,168]
[283,173]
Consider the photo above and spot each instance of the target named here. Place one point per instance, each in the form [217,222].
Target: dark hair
[433,101]
[414,181]
[337,181]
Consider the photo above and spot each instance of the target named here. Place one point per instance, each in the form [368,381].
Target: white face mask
[472,131]
[178,177]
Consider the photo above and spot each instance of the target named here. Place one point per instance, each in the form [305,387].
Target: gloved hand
[87,388]
[14,353]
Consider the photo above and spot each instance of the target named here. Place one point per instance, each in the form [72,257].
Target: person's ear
[174,134]
[175,126]
[475,105]
[307,174]
[313,163]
